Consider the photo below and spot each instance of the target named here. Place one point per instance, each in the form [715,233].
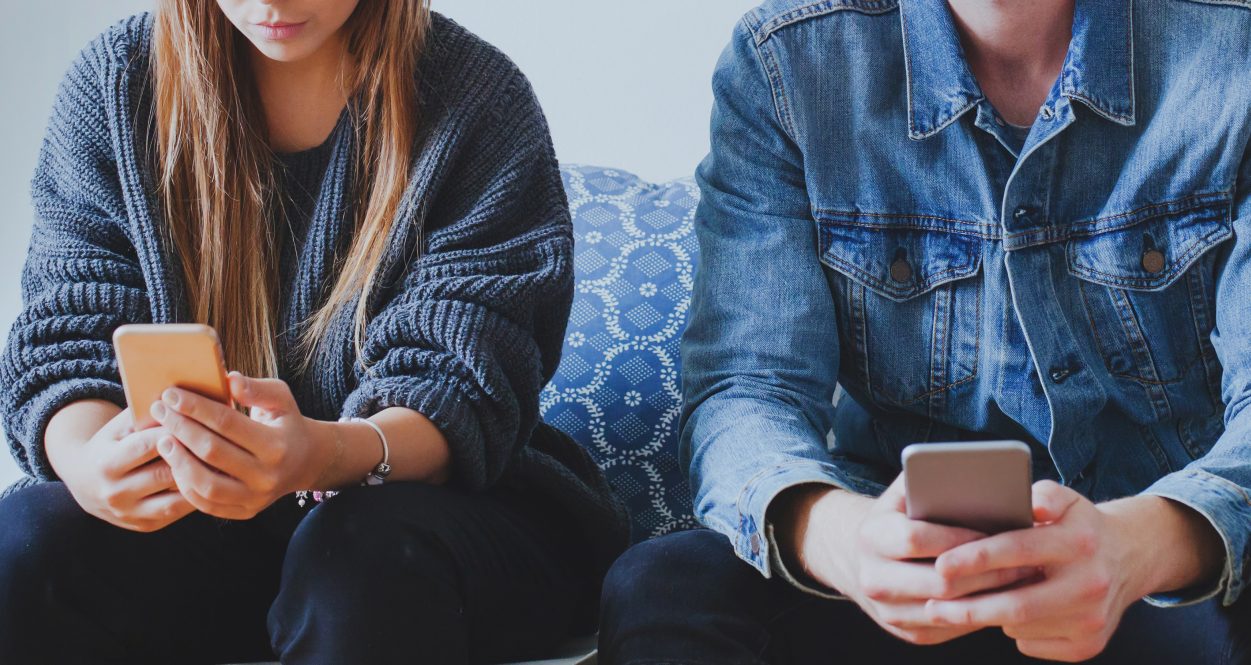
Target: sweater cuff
[26,432]
[443,404]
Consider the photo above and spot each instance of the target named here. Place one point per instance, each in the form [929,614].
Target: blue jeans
[390,574]
[687,599]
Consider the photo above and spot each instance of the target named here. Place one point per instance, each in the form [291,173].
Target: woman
[363,200]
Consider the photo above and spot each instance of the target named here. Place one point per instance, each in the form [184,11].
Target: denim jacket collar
[1098,71]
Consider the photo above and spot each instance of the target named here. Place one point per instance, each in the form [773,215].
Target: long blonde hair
[215,168]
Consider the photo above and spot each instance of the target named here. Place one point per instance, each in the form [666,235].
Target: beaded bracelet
[375,477]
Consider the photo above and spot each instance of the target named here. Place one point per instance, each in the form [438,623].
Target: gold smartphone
[154,357]
[983,486]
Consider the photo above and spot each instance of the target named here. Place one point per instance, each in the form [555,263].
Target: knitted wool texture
[465,327]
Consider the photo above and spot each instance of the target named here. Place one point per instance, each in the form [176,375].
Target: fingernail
[158,411]
[171,397]
[165,445]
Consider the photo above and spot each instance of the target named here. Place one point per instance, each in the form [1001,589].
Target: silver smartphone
[983,486]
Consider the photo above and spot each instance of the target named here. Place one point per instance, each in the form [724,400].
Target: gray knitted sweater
[465,328]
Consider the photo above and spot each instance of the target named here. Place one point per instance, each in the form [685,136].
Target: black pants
[686,599]
[401,573]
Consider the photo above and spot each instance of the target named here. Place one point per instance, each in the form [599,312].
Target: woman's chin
[285,50]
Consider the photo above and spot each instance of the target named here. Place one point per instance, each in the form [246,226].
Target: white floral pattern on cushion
[618,388]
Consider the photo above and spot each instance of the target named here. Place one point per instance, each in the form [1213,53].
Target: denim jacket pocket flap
[1149,254]
[898,263]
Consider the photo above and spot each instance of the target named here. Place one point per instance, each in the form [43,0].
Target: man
[984,219]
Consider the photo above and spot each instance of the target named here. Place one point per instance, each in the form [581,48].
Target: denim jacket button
[1047,113]
[901,270]
[755,544]
[1059,374]
[1153,261]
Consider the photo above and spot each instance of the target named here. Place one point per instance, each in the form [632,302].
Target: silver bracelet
[380,472]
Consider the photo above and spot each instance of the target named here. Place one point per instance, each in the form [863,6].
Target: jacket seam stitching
[1196,249]
[1194,202]
[817,9]
[887,215]
[1244,4]
[777,92]
[931,282]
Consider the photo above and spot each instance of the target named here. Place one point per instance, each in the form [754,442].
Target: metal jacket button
[1153,261]
[901,270]
[1059,374]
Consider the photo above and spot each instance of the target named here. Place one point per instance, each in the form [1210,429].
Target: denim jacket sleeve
[1218,485]
[760,354]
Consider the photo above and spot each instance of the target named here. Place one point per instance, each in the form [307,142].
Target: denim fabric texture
[868,221]
[617,390]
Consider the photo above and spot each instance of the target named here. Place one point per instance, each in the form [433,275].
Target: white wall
[625,83]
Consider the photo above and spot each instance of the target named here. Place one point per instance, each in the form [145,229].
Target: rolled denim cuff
[801,582]
[752,543]
[1225,506]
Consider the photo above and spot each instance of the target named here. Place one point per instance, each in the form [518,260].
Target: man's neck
[1015,49]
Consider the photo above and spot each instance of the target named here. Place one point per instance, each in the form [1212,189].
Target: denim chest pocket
[1149,291]
[908,312]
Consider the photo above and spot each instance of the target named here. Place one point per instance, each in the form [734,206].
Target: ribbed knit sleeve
[475,330]
[81,278]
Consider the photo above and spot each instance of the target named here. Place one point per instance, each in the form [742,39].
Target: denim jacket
[870,222]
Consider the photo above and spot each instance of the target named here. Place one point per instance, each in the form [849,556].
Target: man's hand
[871,552]
[1095,561]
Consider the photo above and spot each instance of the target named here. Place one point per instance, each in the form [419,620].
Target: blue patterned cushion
[618,388]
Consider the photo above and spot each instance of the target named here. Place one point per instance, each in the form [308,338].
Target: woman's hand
[116,475]
[870,551]
[230,465]
[1089,578]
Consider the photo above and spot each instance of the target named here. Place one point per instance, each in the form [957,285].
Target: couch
[618,388]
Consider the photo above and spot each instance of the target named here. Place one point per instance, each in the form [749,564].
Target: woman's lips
[279,31]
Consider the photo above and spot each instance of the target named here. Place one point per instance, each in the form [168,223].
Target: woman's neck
[1015,49]
[302,100]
